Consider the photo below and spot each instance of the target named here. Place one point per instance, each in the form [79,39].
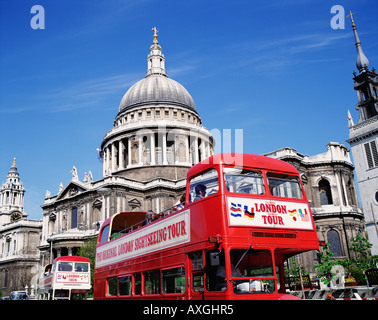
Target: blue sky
[275,69]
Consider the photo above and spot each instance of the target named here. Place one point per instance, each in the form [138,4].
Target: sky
[277,70]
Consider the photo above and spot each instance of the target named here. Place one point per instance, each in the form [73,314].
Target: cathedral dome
[156,89]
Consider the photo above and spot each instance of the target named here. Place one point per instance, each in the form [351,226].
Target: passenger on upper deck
[150,215]
[180,204]
[200,190]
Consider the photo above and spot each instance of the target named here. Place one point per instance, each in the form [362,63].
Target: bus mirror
[214,259]
[217,239]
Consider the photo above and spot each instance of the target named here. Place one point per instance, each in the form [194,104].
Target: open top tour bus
[243,215]
[67,278]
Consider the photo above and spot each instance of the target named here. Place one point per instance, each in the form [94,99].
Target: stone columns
[152,149]
[121,148]
[164,147]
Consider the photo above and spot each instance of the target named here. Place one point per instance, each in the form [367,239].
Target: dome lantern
[156,60]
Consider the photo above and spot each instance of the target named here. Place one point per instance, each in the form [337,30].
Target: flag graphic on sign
[250,215]
[235,210]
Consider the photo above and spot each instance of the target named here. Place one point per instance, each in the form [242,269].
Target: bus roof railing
[148,220]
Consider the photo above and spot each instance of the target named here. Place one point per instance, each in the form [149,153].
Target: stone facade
[329,185]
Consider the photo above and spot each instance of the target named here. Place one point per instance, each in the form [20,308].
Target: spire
[362,62]
[350,120]
[156,60]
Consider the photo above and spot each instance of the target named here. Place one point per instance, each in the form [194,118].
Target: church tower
[363,139]
[12,197]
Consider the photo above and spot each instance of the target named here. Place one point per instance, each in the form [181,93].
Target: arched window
[325,192]
[333,239]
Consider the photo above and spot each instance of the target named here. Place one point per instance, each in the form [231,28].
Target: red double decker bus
[67,278]
[243,215]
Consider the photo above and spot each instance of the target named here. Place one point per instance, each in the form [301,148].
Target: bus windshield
[283,185]
[243,181]
[73,266]
[255,266]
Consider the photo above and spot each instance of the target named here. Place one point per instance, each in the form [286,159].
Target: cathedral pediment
[71,190]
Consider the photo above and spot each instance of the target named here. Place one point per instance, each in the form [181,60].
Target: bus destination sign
[161,235]
[268,213]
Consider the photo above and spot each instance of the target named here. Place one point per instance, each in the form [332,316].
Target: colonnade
[12,197]
[155,148]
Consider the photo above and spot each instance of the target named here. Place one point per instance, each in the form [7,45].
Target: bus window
[204,185]
[81,267]
[283,185]
[137,284]
[65,266]
[174,280]
[152,282]
[124,285]
[112,286]
[243,181]
[255,266]
[105,234]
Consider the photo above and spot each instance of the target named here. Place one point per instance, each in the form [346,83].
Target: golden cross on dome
[155,34]
[350,15]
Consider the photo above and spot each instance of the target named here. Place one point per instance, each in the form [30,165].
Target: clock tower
[12,197]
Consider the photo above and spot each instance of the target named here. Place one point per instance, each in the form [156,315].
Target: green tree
[294,267]
[88,250]
[362,259]
[326,263]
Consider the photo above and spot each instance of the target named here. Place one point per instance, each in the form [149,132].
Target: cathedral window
[371,154]
[5,284]
[74,218]
[334,241]
[325,192]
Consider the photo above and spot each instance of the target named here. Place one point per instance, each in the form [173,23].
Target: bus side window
[125,285]
[204,185]
[137,284]
[174,280]
[104,234]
